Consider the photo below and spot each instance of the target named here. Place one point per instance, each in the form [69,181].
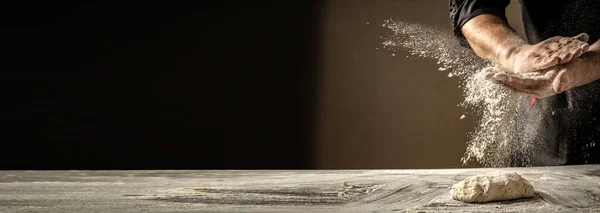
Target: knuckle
[555,46]
[563,40]
[554,38]
[575,44]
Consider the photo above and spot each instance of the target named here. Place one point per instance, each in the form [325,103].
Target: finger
[578,44]
[553,39]
[549,75]
[585,47]
[582,37]
[513,81]
[577,52]
[500,78]
[512,89]
[565,57]
[530,77]
[552,47]
[541,63]
[579,41]
[530,85]
[549,53]
[565,40]
[566,53]
[504,79]
[491,70]
[562,82]
[536,74]
[559,82]
[572,48]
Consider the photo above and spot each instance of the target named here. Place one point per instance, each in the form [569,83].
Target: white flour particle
[490,142]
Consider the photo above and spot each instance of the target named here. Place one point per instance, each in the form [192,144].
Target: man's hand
[538,84]
[493,40]
[542,69]
[543,55]
[577,72]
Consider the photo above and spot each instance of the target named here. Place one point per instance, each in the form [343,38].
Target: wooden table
[558,189]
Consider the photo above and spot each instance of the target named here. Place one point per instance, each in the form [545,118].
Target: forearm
[580,71]
[492,39]
[591,59]
[595,47]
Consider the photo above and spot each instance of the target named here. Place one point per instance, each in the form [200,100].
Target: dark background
[223,85]
[125,84]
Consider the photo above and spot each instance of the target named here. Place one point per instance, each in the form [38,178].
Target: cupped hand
[538,84]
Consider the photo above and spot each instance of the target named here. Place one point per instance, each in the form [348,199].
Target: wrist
[591,58]
[508,57]
[593,62]
[590,62]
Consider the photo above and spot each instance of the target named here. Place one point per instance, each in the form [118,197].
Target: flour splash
[491,141]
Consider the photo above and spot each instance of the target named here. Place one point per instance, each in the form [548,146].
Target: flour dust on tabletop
[491,141]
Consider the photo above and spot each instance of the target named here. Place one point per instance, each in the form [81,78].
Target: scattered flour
[491,141]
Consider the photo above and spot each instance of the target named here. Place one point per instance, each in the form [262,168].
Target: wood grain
[558,189]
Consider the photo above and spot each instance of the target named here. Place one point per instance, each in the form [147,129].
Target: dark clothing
[564,128]
[462,11]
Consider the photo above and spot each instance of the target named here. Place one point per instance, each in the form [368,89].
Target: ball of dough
[492,187]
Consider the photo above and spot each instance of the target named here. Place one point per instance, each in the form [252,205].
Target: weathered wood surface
[558,189]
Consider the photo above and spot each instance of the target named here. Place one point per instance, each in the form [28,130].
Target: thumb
[560,81]
[582,37]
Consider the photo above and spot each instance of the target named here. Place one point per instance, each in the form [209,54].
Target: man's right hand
[579,71]
[529,69]
[493,40]
[543,55]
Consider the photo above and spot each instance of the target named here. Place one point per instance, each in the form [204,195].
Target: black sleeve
[462,11]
